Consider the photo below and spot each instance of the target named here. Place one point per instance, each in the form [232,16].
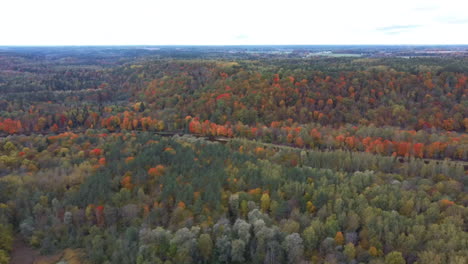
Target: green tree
[394,257]
[349,251]
[294,248]
[237,250]
[205,246]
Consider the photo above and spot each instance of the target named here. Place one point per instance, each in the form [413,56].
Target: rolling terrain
[243,154]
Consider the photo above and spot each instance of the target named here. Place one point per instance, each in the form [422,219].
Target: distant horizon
[237,45]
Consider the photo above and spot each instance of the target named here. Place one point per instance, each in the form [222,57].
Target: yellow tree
[265,202]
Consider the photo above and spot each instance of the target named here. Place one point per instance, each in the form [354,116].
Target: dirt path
[22,253]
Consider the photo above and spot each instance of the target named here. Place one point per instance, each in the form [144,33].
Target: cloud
[242,36]
[453,20]
[397,29]
[425,9]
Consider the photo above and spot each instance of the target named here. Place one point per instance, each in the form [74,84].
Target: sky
[239,22]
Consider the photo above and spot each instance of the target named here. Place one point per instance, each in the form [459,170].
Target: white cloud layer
[241,22]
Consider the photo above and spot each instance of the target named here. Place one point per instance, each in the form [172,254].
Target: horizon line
[220,45]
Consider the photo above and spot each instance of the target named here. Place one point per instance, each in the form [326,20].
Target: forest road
[22,253]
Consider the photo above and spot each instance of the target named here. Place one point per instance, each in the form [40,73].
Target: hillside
[235,155]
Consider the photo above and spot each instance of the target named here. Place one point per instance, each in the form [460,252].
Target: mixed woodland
[138,156]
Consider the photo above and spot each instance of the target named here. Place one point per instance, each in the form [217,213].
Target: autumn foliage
[96,152]
[10,126]
[157,171]
[127,182]
[244,157]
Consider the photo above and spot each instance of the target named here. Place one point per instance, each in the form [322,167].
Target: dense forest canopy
[234,154]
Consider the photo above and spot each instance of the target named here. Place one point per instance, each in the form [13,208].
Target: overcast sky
[237,22]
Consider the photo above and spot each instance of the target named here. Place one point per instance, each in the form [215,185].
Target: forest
[204,155]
